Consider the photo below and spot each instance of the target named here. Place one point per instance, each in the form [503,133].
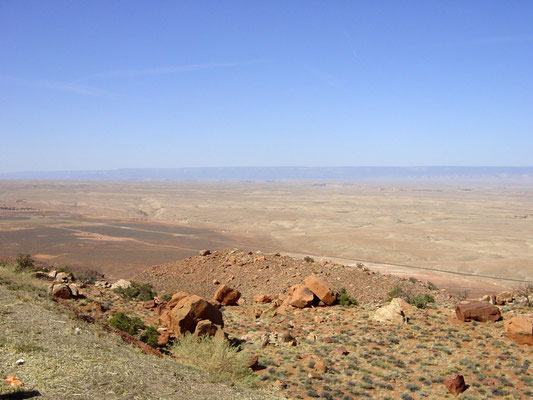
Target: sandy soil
[472,230]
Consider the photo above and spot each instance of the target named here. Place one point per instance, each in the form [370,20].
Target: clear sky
[118,84]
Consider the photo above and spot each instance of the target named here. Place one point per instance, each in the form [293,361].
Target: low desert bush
[150,336]
[24,262]
[130,325]
[346,300]
[421,300]
[88,276]
[215,356]
[138,291]
[309,259]
[397,292]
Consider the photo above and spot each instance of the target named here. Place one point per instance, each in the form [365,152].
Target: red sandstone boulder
[227,296]
[186,314]
[520,329]
[504,298]
[60,291]
[475,310]
[207,328]
[455,384]
[176,297]
[263,298]
[320,289]
[302,297]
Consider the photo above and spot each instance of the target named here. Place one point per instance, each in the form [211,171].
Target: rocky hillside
[47,353]
[254,273]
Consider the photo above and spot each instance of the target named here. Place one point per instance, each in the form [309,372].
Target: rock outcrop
[263,298]
[301,297]
[455,384]
[227,296]
[475,310]
[398,311]
[504,298]
[64,291]
[187,313]
[321,290]
[520,329]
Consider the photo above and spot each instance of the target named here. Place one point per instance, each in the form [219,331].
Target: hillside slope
[259,273]
[61,362]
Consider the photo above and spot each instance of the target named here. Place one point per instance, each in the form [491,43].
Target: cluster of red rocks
[518,328]
[308,294]
[62,286]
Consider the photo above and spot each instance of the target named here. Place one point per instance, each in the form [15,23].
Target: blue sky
[104,85]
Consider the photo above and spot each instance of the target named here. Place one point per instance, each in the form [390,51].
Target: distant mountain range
[436,173]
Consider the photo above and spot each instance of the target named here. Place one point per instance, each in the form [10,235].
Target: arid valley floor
[471,232]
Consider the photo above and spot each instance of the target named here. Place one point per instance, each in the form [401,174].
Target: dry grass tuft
[223,362]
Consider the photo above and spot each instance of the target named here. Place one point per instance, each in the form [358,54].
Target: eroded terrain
[121,227]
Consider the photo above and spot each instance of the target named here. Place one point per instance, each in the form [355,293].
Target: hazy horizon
[420,173]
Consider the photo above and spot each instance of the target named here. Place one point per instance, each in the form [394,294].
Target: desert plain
[471,239]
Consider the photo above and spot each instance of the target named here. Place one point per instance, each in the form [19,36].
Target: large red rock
[227,296]
[187,313]
[176,297]
[302,297]
[475,310]
[455,384]
[320,289]
[504,298]
[520,329]
[60,291]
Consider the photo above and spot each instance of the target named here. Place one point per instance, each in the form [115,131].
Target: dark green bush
[421,300]
[150,335]
[346,300]
[24,262]
[309,259]
[127,324]
[138,291]
[397,292]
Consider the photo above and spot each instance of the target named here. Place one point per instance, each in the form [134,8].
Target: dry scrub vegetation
[66,358]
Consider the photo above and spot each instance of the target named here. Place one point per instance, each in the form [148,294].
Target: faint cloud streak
[59,86]
[131,73]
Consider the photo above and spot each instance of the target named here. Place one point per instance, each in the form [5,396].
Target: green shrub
[126,324]
[412,280]
[421,300]
[137,291]
[432,286]
[309,259]
[166,297]
[215,356]
[24,262]
[150,336]
[346,300]
[397,292]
